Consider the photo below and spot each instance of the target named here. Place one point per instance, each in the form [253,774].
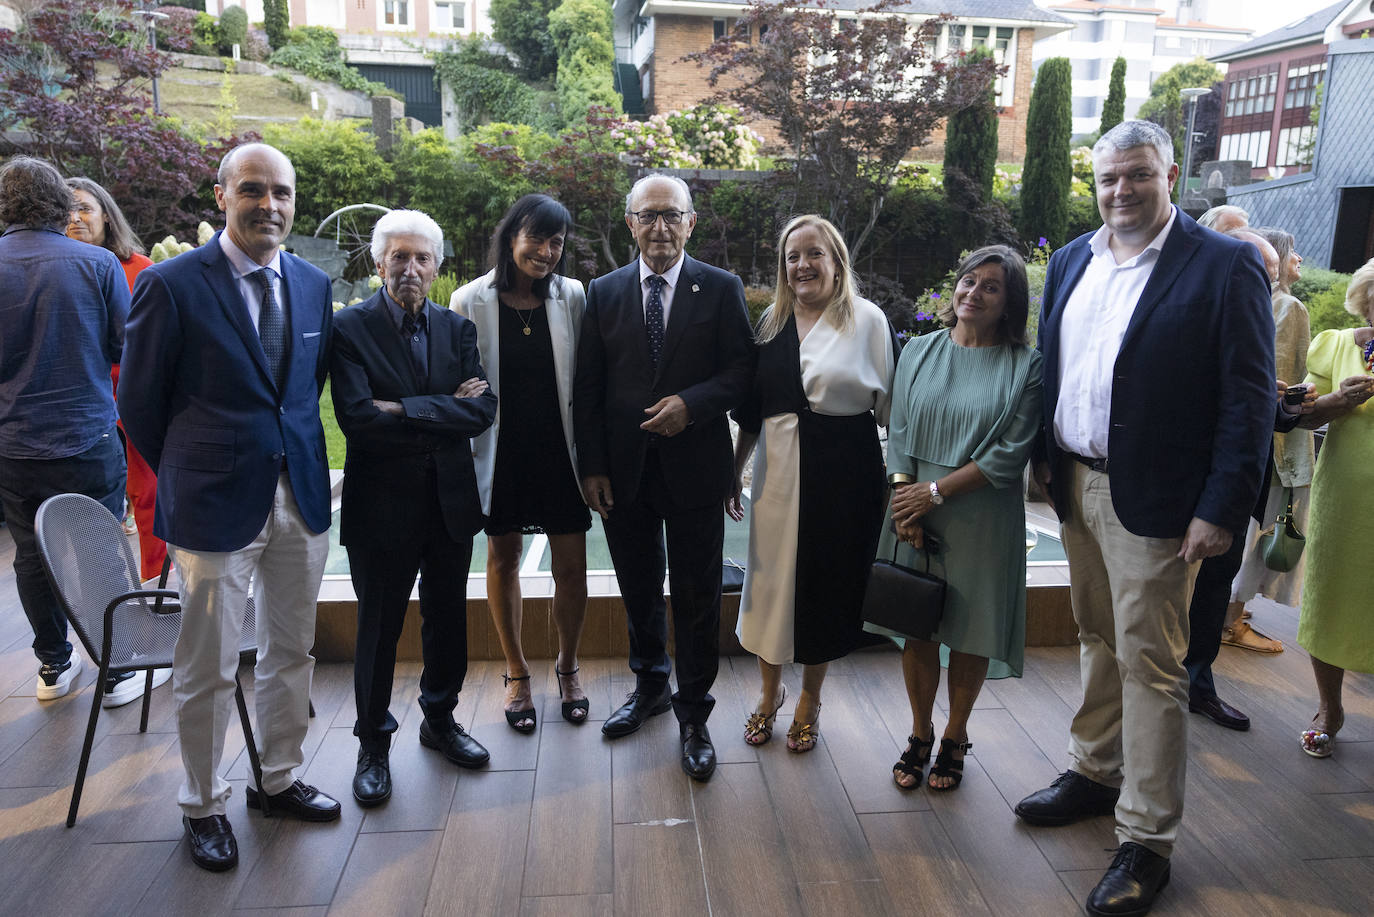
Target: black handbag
[906,601]
[731,575]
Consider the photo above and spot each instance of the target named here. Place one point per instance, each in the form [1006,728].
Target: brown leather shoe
[212,842]
[299,799]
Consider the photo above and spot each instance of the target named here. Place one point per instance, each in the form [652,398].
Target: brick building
[651,37]
[1271,84]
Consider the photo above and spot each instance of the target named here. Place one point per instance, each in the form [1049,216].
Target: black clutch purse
[906,601]
[731,575]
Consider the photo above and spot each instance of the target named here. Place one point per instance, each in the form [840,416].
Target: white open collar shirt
[1090,332]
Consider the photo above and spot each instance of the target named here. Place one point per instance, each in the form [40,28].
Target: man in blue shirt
[61,328]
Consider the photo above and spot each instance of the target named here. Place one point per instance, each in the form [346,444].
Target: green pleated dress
[951,405]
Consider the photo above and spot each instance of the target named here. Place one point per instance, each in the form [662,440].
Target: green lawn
[333,436]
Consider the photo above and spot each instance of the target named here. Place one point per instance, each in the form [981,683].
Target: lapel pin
[696,288]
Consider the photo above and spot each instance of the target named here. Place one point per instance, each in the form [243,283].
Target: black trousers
[383,573]
[1207,615]
[635,534]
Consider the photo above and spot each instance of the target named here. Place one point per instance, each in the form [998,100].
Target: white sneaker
[121,689]
[55,681]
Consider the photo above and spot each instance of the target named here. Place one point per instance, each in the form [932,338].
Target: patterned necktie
[271,327]
[410,322]
[653,317]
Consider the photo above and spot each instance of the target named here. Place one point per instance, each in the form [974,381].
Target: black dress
[533,486]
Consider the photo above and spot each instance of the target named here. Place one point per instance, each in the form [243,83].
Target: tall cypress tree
[1048,172]
[971,139]
[276,16]
[1114,109]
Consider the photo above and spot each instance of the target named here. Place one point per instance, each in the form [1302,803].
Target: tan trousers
[1130,599]
[282,566]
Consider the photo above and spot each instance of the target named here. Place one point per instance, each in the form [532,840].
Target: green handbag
[1282,543]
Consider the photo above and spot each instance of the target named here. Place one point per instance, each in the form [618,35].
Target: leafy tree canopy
[851,93]
[1165,104]
[522,28]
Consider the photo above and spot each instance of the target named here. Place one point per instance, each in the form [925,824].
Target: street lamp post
[151,17]
[1192,95]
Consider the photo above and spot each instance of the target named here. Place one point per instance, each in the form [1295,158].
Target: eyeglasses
[670,217]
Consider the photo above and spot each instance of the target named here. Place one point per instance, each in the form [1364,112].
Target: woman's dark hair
[1016,308]
[32,193]
[119,237]
[539,215]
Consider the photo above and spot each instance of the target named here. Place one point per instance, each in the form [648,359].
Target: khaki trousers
[282,566]
[1130,600]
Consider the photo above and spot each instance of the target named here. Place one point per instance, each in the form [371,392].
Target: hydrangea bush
[704,137]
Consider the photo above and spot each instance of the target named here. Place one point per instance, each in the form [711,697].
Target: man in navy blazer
[665,353]
[224,360]
[1158,341]
[409,393]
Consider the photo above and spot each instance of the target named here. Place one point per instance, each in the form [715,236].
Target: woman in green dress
[965,411]
[1335,626]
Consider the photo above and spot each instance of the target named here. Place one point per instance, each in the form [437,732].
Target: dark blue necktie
[653,317]
[271,327]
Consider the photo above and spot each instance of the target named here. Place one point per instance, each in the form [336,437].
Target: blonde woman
[825,365]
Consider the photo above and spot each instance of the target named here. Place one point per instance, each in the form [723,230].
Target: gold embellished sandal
[801,737]
[758,729]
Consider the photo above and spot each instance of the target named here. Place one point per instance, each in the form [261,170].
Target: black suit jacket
[1193,385]
[386,468]
[706,359]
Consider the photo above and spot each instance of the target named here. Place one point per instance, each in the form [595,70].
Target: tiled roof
[1308,27]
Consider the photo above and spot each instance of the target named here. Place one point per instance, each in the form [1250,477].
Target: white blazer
[564,306]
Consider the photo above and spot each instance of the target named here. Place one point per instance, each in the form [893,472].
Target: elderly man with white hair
[409,393]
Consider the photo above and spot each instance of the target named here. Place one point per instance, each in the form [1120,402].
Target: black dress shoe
[698,754]
[1070,798]
[454,743]
[637,708]
[1219,712]
[299,799]
[1129,887]
[372,782]
[212,842]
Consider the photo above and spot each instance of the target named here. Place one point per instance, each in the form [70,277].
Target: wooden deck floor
[567,823]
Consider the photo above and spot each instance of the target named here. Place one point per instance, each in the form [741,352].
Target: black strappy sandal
[522,721]
[947,766]
[571,708]
[913,760]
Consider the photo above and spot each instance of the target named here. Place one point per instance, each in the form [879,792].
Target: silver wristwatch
[935,495]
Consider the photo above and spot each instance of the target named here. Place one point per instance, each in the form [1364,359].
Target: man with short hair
[409,393]
[61,327]
[1159,395]
[665,352]
[226,358]
[1224,217]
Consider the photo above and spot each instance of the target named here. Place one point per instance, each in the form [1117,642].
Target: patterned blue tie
[271,326]
[653,317]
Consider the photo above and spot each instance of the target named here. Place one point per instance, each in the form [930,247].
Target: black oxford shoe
[372,782]
[1129,887]
[1072,797]
[638,707]
[212,842]
[454,743]
[698,754]
[1219,712]
[299,799]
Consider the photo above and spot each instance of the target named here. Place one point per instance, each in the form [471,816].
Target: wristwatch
[935,495]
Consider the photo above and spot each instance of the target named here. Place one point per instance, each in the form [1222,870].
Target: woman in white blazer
[528,316]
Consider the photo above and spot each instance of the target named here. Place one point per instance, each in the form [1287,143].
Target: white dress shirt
[243,267]
[1091,330]
[666,294]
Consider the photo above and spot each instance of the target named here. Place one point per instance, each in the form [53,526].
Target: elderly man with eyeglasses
[665,353]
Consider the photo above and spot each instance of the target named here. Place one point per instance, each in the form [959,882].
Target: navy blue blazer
[706,359]
[386,470]
[198,402]
[1193,389]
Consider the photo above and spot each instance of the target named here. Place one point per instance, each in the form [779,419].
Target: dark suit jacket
[706,359]
[1193,389]
[385,469]
[199,403]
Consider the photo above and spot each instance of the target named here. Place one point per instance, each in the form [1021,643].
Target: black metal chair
[124,627]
